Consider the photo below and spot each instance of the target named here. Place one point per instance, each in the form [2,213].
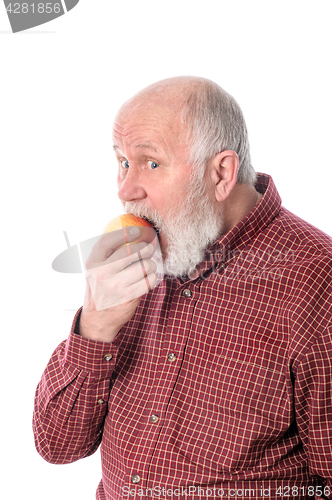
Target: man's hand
[116,280]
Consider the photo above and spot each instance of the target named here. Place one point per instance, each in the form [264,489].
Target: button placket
[172,350]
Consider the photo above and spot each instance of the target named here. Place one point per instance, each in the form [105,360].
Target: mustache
[145,213]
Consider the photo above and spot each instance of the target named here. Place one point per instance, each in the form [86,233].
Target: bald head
[170,92]
[169,96]
[166,98]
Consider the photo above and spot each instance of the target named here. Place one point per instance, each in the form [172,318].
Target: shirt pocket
[226,415]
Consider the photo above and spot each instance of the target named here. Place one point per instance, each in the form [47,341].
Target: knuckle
[152,280]
[120,253]
[103,242]
[150,266]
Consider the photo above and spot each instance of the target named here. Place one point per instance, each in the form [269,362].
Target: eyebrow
[147,145]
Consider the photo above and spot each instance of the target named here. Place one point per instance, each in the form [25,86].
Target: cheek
[156,193]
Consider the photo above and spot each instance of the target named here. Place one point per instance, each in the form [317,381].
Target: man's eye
[125,163]
[153,164]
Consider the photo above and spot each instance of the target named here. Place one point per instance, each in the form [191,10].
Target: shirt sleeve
[313,406]
[71,399]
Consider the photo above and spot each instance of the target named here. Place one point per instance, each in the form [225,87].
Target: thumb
[101,247]
[131,233]
[109,242]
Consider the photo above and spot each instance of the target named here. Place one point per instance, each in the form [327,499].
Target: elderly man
[217,382]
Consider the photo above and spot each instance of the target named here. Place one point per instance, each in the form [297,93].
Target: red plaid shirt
[218,385]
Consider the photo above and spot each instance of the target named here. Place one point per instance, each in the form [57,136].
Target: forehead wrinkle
[149,116]
[137,137]
[123,132]
[146,146]
[147,126]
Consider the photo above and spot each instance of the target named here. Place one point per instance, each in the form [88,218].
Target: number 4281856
[40,8]
[293,491]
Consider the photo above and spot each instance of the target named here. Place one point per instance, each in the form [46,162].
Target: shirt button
[171,357]
[108,357]
[100,401]
[135,479]
[154,419]
[187,293]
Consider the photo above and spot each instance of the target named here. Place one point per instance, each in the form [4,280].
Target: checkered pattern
[245,400]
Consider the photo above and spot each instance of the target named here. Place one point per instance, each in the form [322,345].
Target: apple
[147,233]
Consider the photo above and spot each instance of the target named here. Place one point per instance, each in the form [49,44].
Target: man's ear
[223,173]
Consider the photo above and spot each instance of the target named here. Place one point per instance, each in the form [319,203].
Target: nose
[130,187]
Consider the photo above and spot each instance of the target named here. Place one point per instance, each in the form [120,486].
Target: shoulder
[307,273]
[306,235]
[302,247]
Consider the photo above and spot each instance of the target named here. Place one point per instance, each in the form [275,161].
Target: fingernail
[134,230]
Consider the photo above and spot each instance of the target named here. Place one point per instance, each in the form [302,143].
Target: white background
[61,84]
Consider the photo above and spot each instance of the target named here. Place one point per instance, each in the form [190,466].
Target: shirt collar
[231,243]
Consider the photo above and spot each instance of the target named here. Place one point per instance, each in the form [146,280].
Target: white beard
[189,228]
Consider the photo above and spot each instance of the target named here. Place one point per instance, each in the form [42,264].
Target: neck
[238,204]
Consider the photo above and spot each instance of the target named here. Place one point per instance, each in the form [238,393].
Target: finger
[143,286]
[145,273]
[124,252]
[148,266]
[105,301]
[138,289]
[135,272]
[125,277]
[122,287]
[149,235]
[108,242]
[120,264]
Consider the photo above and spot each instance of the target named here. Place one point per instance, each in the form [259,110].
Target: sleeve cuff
[89,355]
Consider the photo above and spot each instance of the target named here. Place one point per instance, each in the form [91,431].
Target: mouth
[152,224]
